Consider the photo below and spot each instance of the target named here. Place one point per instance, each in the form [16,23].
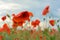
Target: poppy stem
[46,20]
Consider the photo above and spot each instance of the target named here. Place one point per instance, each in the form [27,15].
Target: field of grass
[30,35]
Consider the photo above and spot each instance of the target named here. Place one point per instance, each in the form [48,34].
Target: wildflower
[6,28]
[1,29]
[22,17]
[35,23]
[45,11]
[52,22]
[13,14]
[3,18]
[41,37]
[21,23]
[1,37]
[14,25]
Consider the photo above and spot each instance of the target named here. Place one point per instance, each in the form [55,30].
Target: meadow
[22,28]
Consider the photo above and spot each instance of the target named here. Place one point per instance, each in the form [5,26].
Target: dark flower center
[25,14]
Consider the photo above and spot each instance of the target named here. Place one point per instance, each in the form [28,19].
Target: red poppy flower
[3,18]
[52,22]
[41,37]
[45,11]
[6,28]
[22,17]
[20,23]
[1,37]
[14,25]
[17,19]
[13,14]
[30,14]
[35,23]
[1,29]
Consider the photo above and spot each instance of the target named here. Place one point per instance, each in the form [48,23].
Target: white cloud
[9,6]
[0,13]
[6,6]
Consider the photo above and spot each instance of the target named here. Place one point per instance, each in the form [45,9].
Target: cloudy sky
[35,6]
